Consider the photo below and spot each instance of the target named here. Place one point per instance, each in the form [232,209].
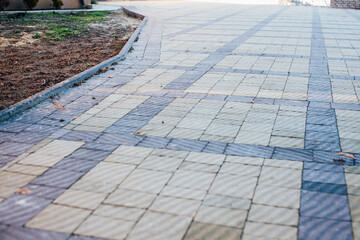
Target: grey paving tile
[19,209]
[249,150]
[333,206]
[19,233]
[320,228]
[324,187]
[324,177]
[186,144]
[58,178]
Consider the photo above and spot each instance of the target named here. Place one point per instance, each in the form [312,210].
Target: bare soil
[39,50]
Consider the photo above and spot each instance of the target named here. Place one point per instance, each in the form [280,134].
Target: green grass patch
[56,26]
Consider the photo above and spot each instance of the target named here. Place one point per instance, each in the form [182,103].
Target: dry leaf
[139,133]
[58,105]
[347,155]
[252,101]
[23,191]
[140,75]
[187,50]
[316,143]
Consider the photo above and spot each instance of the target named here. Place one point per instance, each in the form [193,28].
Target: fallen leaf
[140,75]
[253,101]
[339,160]
[187,50]
[79,139]
[93,97]
[61,120]
[139,133]
[347,155]
[316,143]
[23,191]
[58,105]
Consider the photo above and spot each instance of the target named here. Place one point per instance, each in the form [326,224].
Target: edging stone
[29,102]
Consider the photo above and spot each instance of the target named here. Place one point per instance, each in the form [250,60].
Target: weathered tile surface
[225,121]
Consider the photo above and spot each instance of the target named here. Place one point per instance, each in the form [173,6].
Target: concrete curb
[25,104]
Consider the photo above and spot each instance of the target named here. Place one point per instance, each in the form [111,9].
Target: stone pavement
[224,122]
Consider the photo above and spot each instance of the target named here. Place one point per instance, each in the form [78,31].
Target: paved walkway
[224,122]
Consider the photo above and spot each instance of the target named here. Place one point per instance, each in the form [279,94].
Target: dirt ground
[39,50]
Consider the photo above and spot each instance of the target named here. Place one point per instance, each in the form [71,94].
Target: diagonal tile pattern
[224,122]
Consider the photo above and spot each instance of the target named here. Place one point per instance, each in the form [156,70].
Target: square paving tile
[103,227]
[81,199]
[128,198]
[273,215]
[221,216]
[206,231]
[162,226]
[59,219]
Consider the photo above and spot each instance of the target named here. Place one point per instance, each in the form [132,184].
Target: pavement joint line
[220,54]
[318,63]
[321,178]
[208,23]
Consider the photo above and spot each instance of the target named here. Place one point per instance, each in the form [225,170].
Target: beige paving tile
[41,160]
[269,231]
[287,142]
[273,215]
[206,231]
[277,196]
[354,202]
[81,199]
[240,169]
[234,186]
[27,169]
[11,179]
[60,148]
[132,151]
[353,190]
[103,227]
[244,160]
[128,198]
[207,158]
[191,179]
[221,216]
[123,159]
[6,191]
[356,230]
[146,180]
[94,186]
[186,193]
[226,202]
[59,219]
[352,179]
[177,206]
[199,167]
[280,177]
[158,163]
[283,163]
[170,153]
[108,172]
[163,226]
[124,213]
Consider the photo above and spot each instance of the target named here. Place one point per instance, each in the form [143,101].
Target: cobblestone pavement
[224,122]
